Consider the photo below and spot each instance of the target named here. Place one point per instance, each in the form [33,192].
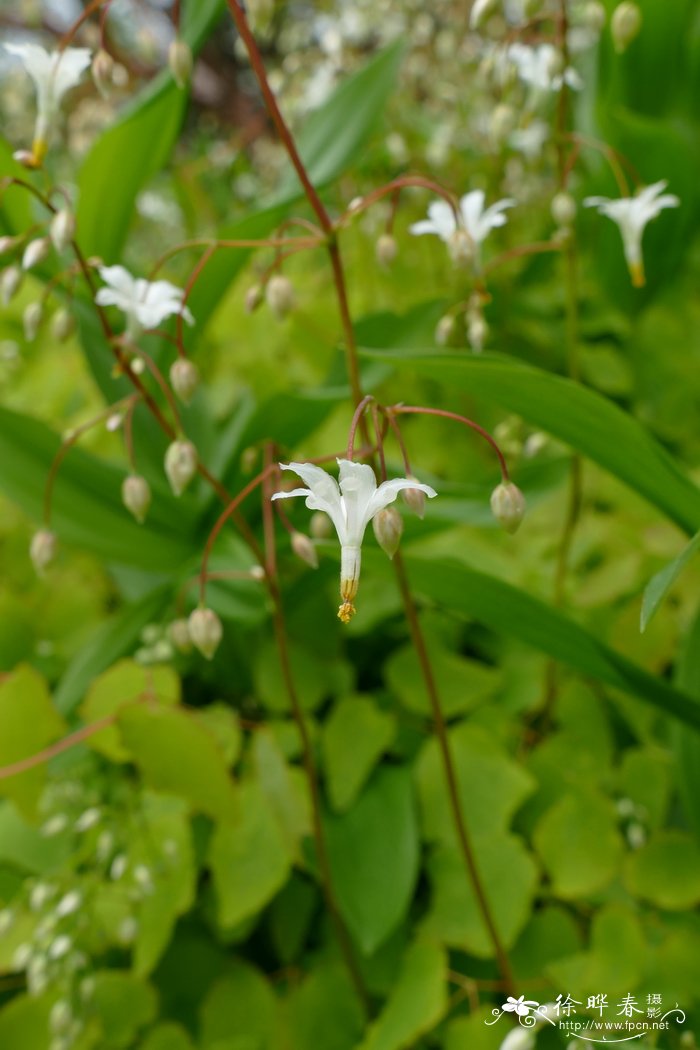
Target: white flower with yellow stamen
[472,217]
[54,73]
[350,503]
[631,215]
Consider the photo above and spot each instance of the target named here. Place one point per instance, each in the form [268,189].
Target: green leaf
[124,683]
[134,149]
[321,1011]
[617,959]
[579,844]
[178,755]
[666,871]
[286,789]
[23,846]
[124,1005]
[240,1004]
[355,736]
[249,859]
[24,1022]
[417,1002]
[15,203]
[508,610]
[463,684]
[583,419]
[167,1037]
[686,746]
[374,856]
[660,584]
[28,723]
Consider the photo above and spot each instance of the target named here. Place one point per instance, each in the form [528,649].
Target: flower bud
[31,319]
[7,243]
[42,549]
[477,332]
[184,379]
[593,15]
[625,24]
[62,229]
[180,465]
[35,252]
[444,330]
[102,72]
[253,298]
[279,295]
[179,635]
[62,324]
[386,249]
[180,62]
[563,208]
[320,526]
[388,526]
[414,499]
[136,496]
[10,281]
[27,158]
[508,505]
[461,248]
[481,10]
[502,122]
[304,549]
[206,631]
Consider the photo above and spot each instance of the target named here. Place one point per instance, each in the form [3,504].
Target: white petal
[442,218]
[118,277]
[424,226]
[471,207]
[389,490]
[357,485]
[69,66]
[36,60]
[323,493]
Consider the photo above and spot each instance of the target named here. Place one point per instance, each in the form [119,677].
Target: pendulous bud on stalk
[62,324]
[508,505]
[444,330]
[35,252]
[279,295]
[477,331]
[563,208]
[388,526]
[205,630]
[304,549]
[320,526]
[62,229]
[179,635]
[414,499]
[10,281]
[136,496]
[593,15]
[31,319]
[180,465]
[180,62]
[42,550]
[103,72]
[625,24]
[253,298]
[386,249]
[184,379]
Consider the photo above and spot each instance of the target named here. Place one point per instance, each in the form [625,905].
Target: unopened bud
[320,526]
[593,15]
[253,298]
[477,330]
[386,249]
[7,243]
[444,330]
[625,24]
[555,63]
[563,208]
[180,465]
[136,496]
[35,252]
[42,549]
[304,549]
[184,379]
[508,505]
[27,158]
[179,635]
[10,281]
[257,573]
[503,120]
[279,295]
[481,10]
[31,319]
[461,248]
[103,72]
[206,631]
[388,526]
[414,499]
[62,229]
[62,324]
[180,62]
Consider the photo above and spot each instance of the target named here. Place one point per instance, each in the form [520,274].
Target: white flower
[351,505]
[540,67]
[474,219]
[145,303]
[632,214]
[530,140]
[54,73]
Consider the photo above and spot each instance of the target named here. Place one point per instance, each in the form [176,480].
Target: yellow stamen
[346,612]
[40,148]
[637,274]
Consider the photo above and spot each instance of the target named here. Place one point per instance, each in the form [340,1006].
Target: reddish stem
[417,410]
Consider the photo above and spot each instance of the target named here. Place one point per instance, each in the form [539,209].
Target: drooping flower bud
[444,330]
[10,281]
[388,526]
[477,331]
[414,499]
[206,631]
[103,72]
[386,250]
[31,319]
[593,15]
[180,62]
[62,229]
[253,298]
[320,525]
[508,505]
[304,549]
[35,252]
[42,549]
[6,243]
[481,10]
[279,295]
[62,324]
[136,496]
[461,248]
[179,635]
[563,208]
[625,24]
[184,379]
[180,465]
